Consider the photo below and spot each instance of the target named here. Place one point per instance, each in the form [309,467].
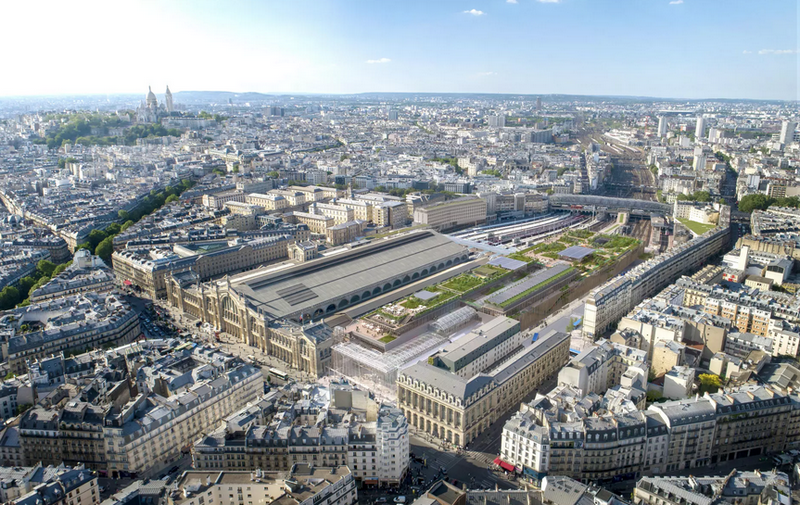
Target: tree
[722,201]
[46,267]
[60,268]
[123,214]
[9,297]
[126,225]
[171,198]
[750,203]
[25,284]
[709,383]
[653,396]
[702,196]
[113,229]
[95,237]
[274,174]
[105,249]
[41,282]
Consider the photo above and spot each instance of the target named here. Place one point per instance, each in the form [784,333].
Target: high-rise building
[662,126]
[700,129]
[497,121]
[787,132]
[168,100]
[538,103]
[393,115]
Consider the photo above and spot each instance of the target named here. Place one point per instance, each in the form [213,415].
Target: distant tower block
[168,100]
[700,129]
[662,126]
[538,103]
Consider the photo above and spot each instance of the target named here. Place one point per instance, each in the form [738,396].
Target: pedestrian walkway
[480,456]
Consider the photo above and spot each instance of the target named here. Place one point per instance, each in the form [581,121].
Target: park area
[393,315]
[606,249]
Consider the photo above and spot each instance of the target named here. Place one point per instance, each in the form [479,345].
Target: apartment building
[739,487]
[750,422]
[453,408]
[150,431]
[58,485]
[304,484]
[608,303]
[600,367]
[88,320]
[691,424]
[326,427]
[87,273]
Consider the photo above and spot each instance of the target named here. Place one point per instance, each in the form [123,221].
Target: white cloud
[381,60]
[511,1]
[778,51]
[676,2]
[747,52]
[549,1]
[485,74]
[475,12]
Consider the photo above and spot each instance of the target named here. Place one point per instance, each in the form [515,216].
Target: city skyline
[666,49]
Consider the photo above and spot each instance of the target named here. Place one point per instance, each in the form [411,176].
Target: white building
[662,126]
[678,382]
[700,128]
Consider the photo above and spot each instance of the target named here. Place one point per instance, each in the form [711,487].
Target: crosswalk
[479,456]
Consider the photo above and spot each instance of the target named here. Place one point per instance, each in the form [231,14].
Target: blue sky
[663,48]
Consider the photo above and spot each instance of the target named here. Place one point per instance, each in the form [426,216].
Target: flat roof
[507,263]
[325,280]
[576,252]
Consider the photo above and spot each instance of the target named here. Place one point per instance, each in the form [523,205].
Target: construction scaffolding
[376,371]
[448,324]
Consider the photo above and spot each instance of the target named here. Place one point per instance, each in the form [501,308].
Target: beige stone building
[218,200]
[149,269]
[466,211]
[267,201]
[339,213]
[293,198]
[457,410]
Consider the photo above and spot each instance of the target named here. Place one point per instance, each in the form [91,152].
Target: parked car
[400,499]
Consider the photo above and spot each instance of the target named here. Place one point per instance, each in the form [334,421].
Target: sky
[658,48]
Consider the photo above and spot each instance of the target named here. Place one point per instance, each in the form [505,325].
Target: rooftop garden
[695,227]
[535,288]
[396,314]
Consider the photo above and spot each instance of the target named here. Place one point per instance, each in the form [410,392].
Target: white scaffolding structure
[376,371]
[453,321]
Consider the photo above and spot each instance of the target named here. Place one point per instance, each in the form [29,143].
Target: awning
[505,466]
[127,282]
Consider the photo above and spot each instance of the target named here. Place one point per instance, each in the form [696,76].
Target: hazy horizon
[687,49]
